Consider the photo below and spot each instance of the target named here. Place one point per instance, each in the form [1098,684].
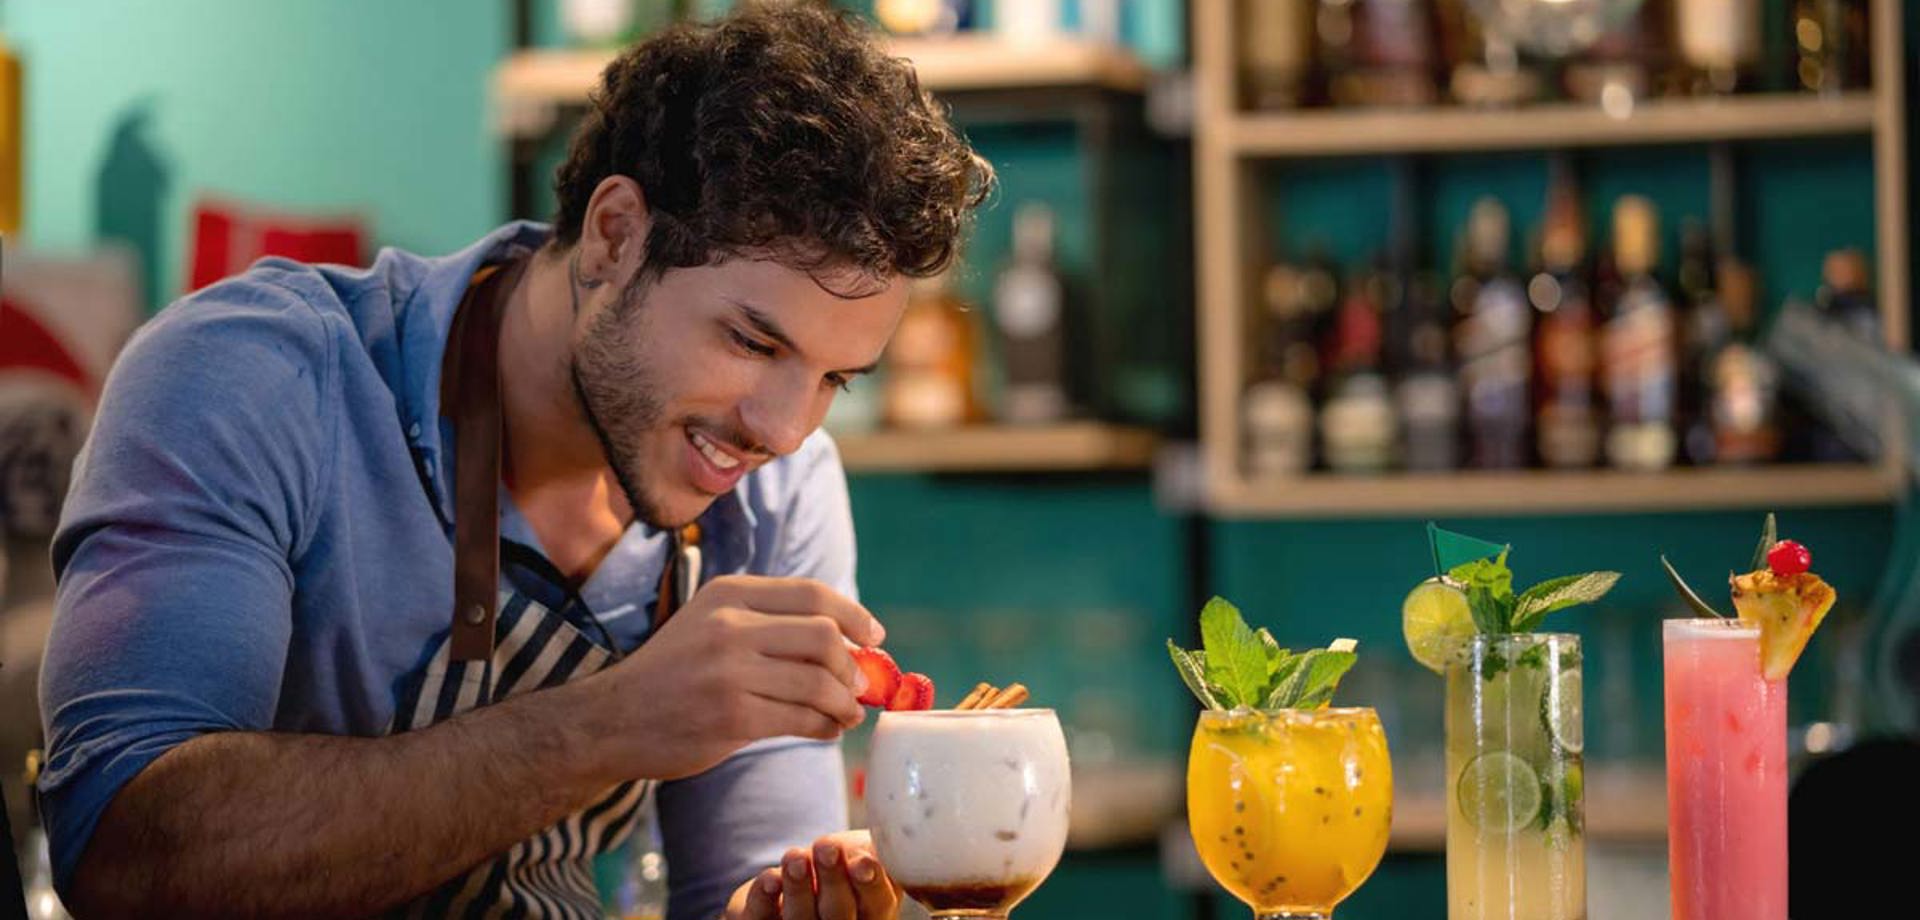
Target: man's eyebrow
[766,325]
[769,327]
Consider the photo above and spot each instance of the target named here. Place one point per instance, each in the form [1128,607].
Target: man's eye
[839,381]
[764,351]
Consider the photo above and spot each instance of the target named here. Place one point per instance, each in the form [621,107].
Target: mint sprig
[1497,611]
[1239,667]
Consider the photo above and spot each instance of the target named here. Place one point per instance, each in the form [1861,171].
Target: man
[296,671]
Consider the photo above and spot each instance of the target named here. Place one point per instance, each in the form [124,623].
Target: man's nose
[780,416]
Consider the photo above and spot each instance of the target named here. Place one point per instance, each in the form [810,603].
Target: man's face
[703,374]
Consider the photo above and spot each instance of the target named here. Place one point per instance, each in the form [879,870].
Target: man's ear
[613,237]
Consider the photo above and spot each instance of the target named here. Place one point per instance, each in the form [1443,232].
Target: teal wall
[366,107]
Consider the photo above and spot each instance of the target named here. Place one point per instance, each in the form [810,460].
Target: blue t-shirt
[259,538]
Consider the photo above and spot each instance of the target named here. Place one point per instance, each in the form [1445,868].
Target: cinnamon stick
[981,692]
[1012,696]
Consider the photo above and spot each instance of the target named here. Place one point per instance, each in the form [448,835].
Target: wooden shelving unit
[1446,130]
[531,86]
[1391,495]
[1232,146]
[1078,446]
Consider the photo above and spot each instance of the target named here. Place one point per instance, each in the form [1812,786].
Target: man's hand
[747,658]
[839,879]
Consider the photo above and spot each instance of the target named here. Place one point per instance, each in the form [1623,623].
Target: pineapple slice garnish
[1787,608]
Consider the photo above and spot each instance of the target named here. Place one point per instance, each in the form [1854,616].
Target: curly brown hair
[781,129]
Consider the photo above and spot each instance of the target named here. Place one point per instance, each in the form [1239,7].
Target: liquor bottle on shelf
[1719,45]
[1742,380]
[1377,52]
[1357,425]
[1846,296]
[1492,340]
[1845,300]
[1030,320]
[1623,65]
[1484,66]
[1566,359]
[1278,407]
[1638,344]
[1427,395]
[1276,53]
[923,17]
[1705,330]
[1830,45]
[930,362]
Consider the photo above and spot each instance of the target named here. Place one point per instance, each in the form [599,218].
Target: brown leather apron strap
[680,577]
[471,386]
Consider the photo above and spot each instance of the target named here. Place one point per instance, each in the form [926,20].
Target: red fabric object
[228,237]
[30,346]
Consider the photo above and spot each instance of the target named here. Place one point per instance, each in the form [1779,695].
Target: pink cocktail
[1726,774]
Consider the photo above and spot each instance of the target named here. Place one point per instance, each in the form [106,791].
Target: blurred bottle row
[948,365]
[1153,27]
[1582,359]
[1510,52]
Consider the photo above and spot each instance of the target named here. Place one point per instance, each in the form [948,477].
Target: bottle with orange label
[930,362]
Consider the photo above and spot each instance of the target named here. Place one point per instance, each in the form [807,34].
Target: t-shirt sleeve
[192,495]
[816,536]
[725,825]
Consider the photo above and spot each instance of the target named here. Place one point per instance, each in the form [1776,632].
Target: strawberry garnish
[915,693]
[1789,558]
[883,676]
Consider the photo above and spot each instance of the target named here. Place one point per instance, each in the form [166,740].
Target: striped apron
[516,631]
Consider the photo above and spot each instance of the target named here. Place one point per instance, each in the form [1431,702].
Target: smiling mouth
[720,459]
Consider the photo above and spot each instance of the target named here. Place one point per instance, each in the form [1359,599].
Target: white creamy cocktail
[968,808]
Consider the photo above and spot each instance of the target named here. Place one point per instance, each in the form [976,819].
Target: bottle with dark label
[1277,415]
[1742,381]
[1483,66]
[1426,396]
[1844,299]
[1566,353]
[1846,296]
[1276,53]
[1357,425]
[1705,330]
[1029,313]
[1623,65]
[1638,351]
[1492,338]
[1377,52]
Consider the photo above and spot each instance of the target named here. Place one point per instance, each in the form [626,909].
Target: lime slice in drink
[1560,712]
[1498,792]
[1436,622]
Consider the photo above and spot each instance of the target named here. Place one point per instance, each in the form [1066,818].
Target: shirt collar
[426,321]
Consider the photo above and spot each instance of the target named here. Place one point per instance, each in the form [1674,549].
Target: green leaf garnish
[1237,661]
[1498,612]
[1322,670]
[1686,593]
[1240,667]
[1769,535]
[1536,602]
[1490,616]
[1193,672]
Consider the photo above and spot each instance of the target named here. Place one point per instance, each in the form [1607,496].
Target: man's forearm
[246,823]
